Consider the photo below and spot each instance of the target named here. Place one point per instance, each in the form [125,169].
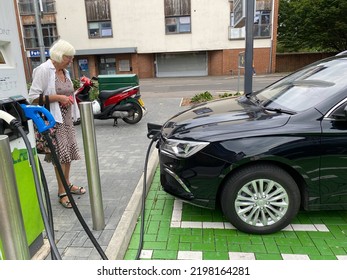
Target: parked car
[263,156]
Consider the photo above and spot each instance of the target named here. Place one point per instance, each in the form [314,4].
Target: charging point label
[7,83]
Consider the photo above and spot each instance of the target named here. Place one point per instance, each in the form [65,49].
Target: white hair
[60,48]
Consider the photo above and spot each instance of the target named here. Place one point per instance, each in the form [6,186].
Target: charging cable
[34,112]
[153,138]
[71,199]
[15,124]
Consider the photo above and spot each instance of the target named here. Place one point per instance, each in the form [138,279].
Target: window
[100,29]
[26,7]
[49,32]
[262,21]
[177,16]
[99,18]
[107,65]
[261,26]
[124,65]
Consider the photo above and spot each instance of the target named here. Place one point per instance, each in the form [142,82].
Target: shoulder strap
[46,104]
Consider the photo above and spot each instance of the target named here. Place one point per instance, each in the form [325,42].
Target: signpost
[241,64]
[239,13]
[244,16]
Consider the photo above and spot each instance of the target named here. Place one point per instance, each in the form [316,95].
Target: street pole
[39,31]
[249,46]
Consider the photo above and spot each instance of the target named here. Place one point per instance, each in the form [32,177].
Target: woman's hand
[66,100]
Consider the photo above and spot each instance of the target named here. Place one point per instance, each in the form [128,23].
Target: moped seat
[104,94]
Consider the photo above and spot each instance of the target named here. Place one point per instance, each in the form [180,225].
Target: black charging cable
[154,138]
[48,202]
[48,222]
[71,199]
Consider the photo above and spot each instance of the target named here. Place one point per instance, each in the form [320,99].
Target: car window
[306,88]
[338,113]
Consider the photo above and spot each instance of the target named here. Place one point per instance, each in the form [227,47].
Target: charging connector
[7,117]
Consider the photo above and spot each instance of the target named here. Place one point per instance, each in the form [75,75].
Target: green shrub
[76,83]
[202,97]
[94,91]
[225,94]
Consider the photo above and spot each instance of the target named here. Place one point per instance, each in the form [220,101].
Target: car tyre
[260,199]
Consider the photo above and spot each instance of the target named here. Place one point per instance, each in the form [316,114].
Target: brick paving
[180,231]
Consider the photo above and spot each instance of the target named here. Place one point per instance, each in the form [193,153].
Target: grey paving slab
[121,156]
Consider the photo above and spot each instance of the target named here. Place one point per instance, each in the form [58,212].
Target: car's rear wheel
[260,199]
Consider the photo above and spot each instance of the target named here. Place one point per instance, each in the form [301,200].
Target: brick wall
[289,62]
[220,62]
[225,62]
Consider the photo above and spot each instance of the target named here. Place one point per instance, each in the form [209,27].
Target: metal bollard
[92,164]
[12,231]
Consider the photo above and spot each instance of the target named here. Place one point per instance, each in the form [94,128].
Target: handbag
[41,142]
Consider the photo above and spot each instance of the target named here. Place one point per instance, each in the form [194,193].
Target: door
[333,173]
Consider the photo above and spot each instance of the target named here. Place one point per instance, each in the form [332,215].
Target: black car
[263,156]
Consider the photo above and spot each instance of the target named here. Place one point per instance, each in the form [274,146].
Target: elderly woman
[53,81]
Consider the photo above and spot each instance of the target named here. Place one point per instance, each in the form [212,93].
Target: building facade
[152,38]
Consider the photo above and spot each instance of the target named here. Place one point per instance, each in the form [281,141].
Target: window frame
[175,11]
[99,19]
[30,35]
[100,29]
[263,9]
[26,7]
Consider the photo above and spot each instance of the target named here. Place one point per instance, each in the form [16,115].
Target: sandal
[78,191]
[66,203]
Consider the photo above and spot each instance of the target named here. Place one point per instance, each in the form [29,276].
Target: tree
[319,25]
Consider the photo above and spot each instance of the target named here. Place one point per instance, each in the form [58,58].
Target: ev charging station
[13,92]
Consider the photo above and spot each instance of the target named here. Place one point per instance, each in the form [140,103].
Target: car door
[333,171]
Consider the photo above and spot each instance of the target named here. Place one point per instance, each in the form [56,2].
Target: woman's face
[67,60]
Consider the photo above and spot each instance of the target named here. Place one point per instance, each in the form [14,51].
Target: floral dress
[65,145]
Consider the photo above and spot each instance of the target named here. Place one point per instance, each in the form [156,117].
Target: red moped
[123,103]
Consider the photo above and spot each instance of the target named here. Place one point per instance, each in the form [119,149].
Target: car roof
[342,53]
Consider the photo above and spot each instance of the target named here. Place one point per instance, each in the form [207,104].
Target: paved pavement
[121,152]
[189,233]
[180,231]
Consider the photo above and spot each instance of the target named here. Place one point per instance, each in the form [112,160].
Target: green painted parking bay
[175,230]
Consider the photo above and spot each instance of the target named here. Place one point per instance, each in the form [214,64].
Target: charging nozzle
[35,113]
[7,117]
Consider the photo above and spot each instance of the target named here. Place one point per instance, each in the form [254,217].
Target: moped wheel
[77,122]
[135,114]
